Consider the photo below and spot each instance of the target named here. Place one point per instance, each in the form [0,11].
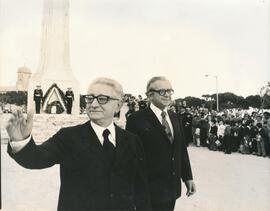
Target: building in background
[23,78]
[22,83]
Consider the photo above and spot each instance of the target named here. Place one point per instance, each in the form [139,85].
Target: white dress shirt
[157,112]
[99,131]
[19,145]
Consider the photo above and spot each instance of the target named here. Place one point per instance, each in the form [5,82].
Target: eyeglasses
[162,92]
[102,99]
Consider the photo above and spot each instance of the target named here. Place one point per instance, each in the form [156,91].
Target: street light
[207,75]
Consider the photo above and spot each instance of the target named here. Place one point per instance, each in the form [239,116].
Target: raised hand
[20,127]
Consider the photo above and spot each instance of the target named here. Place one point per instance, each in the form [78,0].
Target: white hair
[117,87]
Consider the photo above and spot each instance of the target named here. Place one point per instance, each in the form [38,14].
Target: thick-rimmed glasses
[162,92]
[102,99]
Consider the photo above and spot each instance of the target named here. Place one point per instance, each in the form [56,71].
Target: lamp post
[216,77]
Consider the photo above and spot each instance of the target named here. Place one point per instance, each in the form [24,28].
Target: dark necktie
[107,145]
[166,126]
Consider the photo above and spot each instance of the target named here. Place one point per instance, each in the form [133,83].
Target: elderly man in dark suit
[161,133]
[101,165]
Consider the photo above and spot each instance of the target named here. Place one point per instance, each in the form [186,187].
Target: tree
[209,101]
[241,103]
[265,96]
[254,101]
[18,98]
[229,100]
[194,101]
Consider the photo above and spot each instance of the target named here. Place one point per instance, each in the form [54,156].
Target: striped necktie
[166,126]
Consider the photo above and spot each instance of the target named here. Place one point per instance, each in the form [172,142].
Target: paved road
[224,183]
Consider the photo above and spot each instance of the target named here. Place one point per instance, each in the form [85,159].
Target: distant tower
[54,63]
[23,78]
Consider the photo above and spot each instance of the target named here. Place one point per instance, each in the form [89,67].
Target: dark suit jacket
[87,182]
[166,163]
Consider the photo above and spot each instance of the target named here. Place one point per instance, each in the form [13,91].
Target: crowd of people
[229,130]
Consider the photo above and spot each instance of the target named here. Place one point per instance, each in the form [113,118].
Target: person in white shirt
[220,134]
[161,133]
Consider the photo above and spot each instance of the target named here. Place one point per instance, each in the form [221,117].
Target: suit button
[173,173]
[111,195]
[172,158]
[141,158]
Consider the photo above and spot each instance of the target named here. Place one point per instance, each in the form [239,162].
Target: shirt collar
[99,131]
[157,111]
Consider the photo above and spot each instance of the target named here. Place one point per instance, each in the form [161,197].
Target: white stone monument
[54,62]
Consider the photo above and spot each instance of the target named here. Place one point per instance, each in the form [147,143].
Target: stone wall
[46,125]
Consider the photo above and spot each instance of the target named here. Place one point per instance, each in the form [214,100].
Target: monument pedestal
[54,63]
[46,83]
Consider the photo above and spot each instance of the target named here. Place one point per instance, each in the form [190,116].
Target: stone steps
[47,125]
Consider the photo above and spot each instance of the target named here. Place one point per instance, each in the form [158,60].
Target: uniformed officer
[38,95]
[69,97]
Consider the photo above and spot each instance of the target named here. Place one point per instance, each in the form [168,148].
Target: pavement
[224,182]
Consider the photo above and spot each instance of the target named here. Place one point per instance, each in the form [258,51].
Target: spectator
[213,135]
[260,138]
[220,134]
[227,138]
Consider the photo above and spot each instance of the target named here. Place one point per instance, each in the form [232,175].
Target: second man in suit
[161,133]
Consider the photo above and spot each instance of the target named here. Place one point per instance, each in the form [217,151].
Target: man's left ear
[119,105]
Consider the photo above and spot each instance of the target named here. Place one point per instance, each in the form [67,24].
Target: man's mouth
[94,111]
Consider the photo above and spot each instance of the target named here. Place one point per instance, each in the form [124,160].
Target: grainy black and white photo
[146,105]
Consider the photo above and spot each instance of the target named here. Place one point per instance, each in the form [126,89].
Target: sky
[134,40]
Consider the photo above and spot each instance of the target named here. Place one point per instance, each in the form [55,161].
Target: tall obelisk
[54,62]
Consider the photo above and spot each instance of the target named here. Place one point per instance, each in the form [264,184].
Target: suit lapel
[89,136]
[156,123]
[122,149]
[90,142]
[175,124]
[178,133]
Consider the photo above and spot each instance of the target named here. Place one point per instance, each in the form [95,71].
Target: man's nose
[167,94]
[95,103]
